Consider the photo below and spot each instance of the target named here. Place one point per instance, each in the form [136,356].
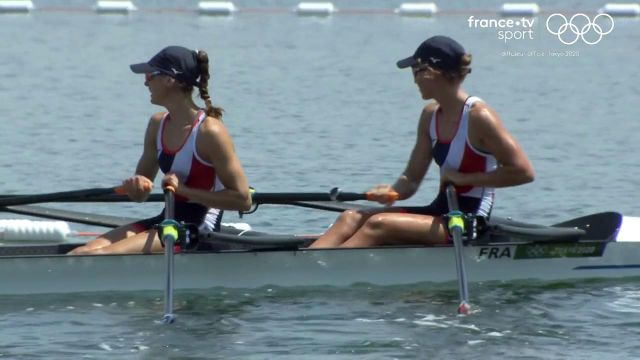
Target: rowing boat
[603,245]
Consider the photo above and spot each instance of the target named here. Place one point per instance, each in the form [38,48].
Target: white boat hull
[335,267]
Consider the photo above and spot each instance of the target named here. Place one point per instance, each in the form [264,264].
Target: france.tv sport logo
[580,26]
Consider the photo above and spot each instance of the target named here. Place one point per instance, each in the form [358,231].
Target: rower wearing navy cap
[466,139]
[192,148]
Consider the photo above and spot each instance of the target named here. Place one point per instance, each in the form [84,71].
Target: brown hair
[461,72]
[203,63]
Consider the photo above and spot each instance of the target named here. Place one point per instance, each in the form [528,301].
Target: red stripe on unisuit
[471,162]
[201,176]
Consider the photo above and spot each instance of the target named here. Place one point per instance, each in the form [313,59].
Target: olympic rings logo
[579,32]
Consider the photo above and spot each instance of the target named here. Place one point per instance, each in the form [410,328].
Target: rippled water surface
[314,103]
[583,320]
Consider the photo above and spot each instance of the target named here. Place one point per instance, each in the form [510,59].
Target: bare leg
[107,239]
[399,229]
[346,226]
[145,242]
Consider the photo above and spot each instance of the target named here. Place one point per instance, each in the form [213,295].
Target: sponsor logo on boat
[541,251]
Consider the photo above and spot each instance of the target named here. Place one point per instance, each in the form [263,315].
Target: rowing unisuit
[459,154]
[194,172]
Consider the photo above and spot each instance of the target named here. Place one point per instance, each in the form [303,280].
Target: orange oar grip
[392,196]
[120,189]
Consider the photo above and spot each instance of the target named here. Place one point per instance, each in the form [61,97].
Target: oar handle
[147,186]
[391,196]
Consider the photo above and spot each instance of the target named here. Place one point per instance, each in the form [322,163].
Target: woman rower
[466,139]
[192,148]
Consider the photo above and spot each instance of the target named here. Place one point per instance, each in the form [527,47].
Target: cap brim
[405,63]
[142,68]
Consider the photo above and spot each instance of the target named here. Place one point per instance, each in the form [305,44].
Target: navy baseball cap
[439,52]
[176,61]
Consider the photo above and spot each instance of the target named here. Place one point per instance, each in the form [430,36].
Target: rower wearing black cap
[192,148]
[462,134]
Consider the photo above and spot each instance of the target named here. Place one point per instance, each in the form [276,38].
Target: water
[584,320]
[312,104]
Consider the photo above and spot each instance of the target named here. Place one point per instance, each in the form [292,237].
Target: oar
[169,230]
[75,195]
[332,205]
[334,195]
[69,215]
[258,198]
[456,227]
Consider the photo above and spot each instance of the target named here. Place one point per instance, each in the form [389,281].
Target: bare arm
[421,156]
[408,183]
[139,186]
[490,135]
[218,149]
[148,163]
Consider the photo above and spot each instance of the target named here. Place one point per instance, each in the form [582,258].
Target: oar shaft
[463,289]
[169,237]
[258,198]
[75,195]
[68,215]
[456,224]
[284,198]
[169,206]
[452,198]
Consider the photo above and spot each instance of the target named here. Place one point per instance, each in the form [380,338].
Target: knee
[377,223]
[349,217]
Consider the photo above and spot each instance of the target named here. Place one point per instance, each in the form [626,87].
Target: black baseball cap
[176,61]
[439,52]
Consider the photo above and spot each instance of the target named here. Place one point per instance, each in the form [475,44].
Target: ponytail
[203,63]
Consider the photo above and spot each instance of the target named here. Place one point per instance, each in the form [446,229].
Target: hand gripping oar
[169,235]
[456,228]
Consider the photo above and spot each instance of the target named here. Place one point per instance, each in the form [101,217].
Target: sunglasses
[149,76]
